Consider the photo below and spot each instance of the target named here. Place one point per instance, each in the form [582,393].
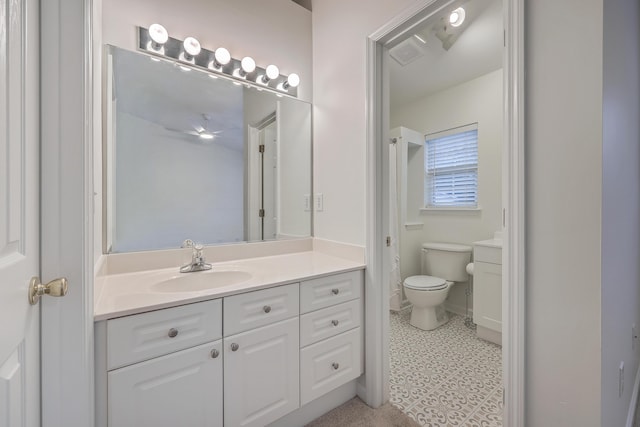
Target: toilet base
[428,318]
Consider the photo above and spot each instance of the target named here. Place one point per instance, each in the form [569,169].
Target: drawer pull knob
[173,332]
[334,322]
[335,366]
[234,347]
[267,308]
[214,353]
[335,291]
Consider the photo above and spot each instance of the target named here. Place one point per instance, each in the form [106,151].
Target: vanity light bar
[241,70]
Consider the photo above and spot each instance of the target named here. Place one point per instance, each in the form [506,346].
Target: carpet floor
[355,413]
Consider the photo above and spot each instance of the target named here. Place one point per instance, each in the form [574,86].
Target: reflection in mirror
[189,155]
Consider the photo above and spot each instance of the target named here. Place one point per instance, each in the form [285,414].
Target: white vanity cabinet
[182,388]
[261,372]
[247,359]
[159,371]
[330,325]
[487,290]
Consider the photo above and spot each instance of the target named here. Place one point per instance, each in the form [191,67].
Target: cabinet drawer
[330,321]
[182,388]
[141,337]
[254,309]
[330,290]
[329,364]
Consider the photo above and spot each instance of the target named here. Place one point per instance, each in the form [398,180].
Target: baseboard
[489,335]
[633,405]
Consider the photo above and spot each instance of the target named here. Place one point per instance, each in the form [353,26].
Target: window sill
[452,210]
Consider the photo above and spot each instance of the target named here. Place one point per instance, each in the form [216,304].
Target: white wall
[476,101]
[620,204]
[151,187]
[278,31]
[563,212]
[294,137]
[340,30]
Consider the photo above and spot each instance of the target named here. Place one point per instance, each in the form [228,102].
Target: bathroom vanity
[245,353]
[487,289]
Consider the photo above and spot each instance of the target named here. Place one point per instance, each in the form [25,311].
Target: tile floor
[446,377]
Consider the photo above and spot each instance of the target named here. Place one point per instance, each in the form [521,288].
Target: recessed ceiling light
[457,17]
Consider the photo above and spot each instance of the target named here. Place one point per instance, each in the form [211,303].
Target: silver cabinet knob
[335,291]
[234,347]
[215,353]
[267,308]
[335,365]
[173,332]
[334,322]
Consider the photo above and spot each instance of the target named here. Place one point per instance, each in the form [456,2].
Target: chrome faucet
[197,258]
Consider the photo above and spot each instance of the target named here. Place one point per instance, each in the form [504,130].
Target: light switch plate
[319,202]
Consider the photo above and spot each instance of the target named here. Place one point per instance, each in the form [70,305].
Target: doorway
[512,195]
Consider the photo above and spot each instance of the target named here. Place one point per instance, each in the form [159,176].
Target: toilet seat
[425,283]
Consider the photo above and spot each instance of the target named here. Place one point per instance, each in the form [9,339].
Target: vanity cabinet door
[180,389]
[261,374]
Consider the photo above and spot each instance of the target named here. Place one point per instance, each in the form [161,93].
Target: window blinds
[451,168]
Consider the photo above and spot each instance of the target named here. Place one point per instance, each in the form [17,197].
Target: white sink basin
[201,281]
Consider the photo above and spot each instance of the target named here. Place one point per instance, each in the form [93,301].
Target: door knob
[55,288]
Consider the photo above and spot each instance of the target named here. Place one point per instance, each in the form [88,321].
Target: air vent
[407,51]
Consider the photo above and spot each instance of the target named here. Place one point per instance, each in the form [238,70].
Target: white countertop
[123,294]
[491,243]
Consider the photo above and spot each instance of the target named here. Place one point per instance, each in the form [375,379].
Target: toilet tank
[446,260]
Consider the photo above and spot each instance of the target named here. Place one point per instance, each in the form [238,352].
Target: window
[451,168]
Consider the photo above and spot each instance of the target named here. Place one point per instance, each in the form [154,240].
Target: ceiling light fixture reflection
[457,17]
[206,135]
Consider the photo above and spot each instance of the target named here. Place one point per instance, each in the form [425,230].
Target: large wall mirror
[194,155]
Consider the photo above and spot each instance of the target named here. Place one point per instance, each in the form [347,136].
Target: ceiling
[477,51]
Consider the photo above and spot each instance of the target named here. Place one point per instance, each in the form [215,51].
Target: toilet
[443,264]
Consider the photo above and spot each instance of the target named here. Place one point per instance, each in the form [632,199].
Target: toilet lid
[427,283]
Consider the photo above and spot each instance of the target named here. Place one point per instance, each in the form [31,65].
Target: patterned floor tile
[445,377]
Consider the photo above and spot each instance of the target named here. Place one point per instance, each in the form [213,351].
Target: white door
[261,375]
[179,389]
[19,213]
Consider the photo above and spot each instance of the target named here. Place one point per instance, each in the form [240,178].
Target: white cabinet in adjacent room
[487,289]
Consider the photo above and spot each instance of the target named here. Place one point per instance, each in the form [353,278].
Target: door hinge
[261,148]
[388,241]
[261,213]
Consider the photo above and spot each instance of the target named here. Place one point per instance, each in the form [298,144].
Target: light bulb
[457,17]
[221,57]
[272,72]
[158,34]
[191,47]
[248,64]
[292,81]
